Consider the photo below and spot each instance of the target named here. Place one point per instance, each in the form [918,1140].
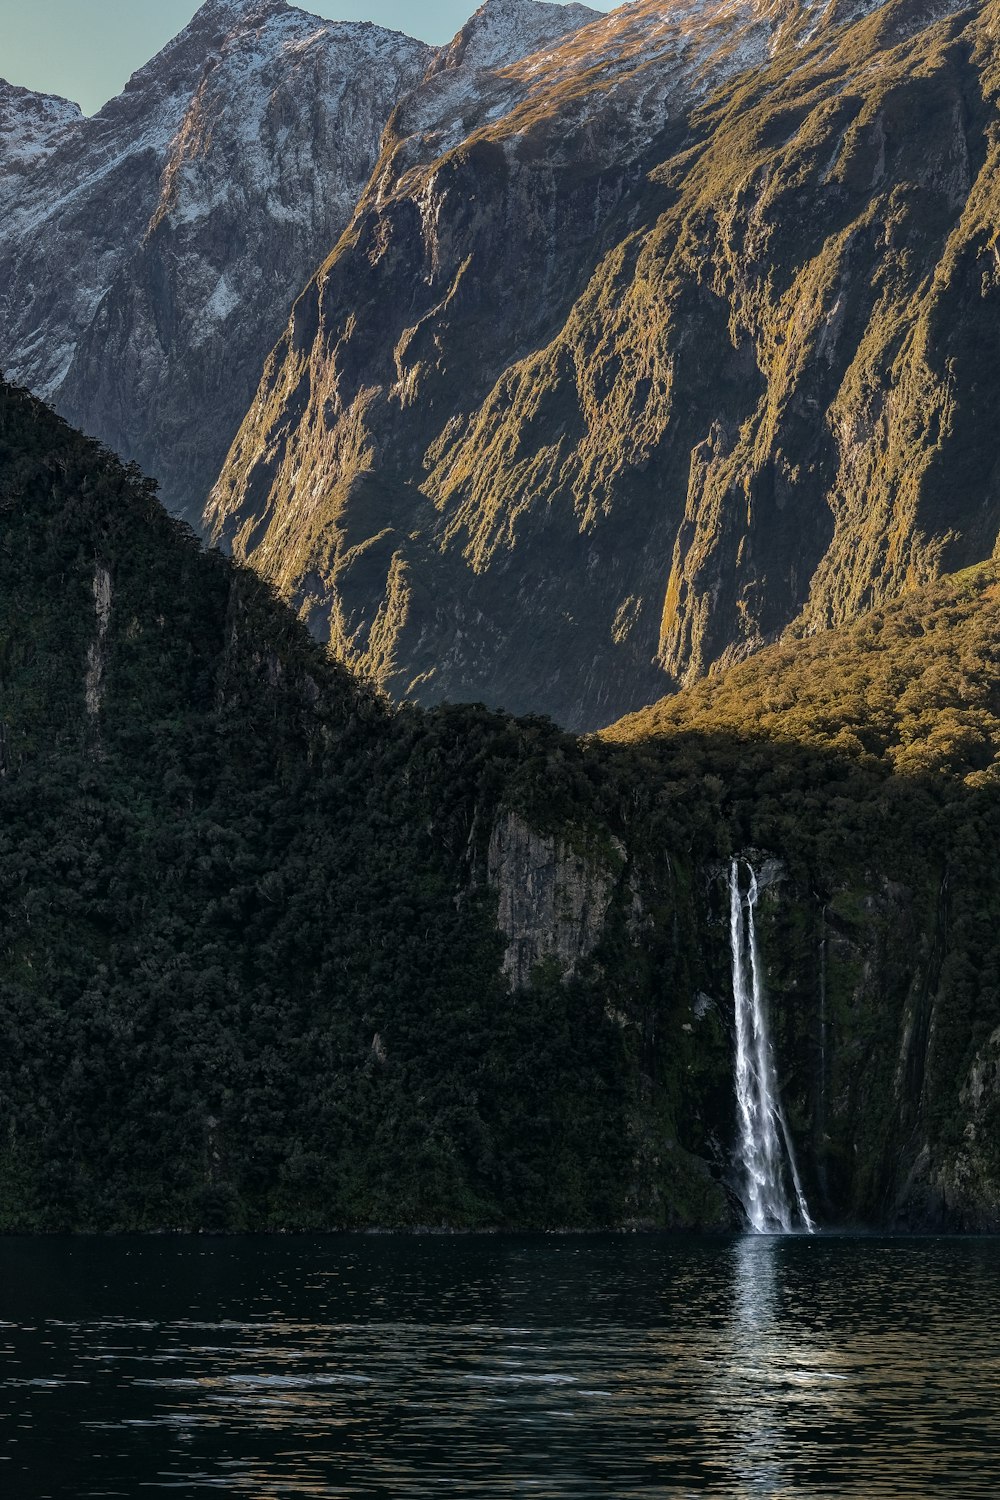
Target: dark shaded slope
[246,974]
[250,966]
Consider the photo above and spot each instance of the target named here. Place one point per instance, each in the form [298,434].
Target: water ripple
[563,1369]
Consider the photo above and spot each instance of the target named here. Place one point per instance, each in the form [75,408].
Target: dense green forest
[248,976]
[913,687]
[251,974]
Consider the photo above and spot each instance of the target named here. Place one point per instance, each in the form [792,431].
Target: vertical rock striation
[553,898]
[641,351]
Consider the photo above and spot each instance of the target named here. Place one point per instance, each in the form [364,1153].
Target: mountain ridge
[152,257]
[624,357]
[31,124]
[501,32]
[655,457]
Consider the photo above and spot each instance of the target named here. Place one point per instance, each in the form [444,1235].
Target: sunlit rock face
[150,254]
[639,351]
[638,340]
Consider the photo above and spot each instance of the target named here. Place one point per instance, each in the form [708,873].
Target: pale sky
[86,49]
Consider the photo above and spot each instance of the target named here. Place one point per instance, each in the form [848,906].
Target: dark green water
[547,1367]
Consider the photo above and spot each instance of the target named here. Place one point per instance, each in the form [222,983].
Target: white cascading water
[766,1155]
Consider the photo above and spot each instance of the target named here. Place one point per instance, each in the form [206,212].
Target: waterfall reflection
[754,1332]
[755,1276]
[793,1384]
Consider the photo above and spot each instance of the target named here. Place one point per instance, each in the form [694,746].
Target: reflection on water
[747,1360]
[578,1367]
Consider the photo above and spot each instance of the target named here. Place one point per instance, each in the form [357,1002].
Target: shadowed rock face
[639,352]
[552,899]
[150,254]
[30,126]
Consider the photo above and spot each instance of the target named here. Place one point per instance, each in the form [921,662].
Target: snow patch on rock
[503,31]
[149,255]
[31,125]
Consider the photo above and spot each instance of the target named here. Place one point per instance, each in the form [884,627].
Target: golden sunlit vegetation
[914,686]
[741,383]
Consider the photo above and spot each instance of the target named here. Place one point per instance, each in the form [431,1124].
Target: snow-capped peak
[168,235]
[31,124]
[503,31]
[234,12]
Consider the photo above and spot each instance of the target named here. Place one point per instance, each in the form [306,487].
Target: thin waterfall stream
[772,1189]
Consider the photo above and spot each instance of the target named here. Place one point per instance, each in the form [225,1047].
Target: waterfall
[765,1145]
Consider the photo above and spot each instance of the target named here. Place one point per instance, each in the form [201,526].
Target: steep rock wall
[150,254]
[553,898]
[675,346]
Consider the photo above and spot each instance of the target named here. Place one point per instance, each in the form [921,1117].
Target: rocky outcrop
[98,648]
[150,254]
[652,347]
[31,125]
[961,1188]
[553,898]
[502,32]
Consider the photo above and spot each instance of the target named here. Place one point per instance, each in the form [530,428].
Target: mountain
[275,955]
[502,32]
[639,353]
[151,253]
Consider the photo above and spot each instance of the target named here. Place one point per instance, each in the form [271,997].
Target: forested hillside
[273,954]
[245,976]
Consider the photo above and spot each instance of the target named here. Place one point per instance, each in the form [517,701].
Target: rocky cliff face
[552,898]
[30,127]
[502,32]
[150,254]
[966,1189]
[895,1103]
[888,1073]
[869,756]
[651,347]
